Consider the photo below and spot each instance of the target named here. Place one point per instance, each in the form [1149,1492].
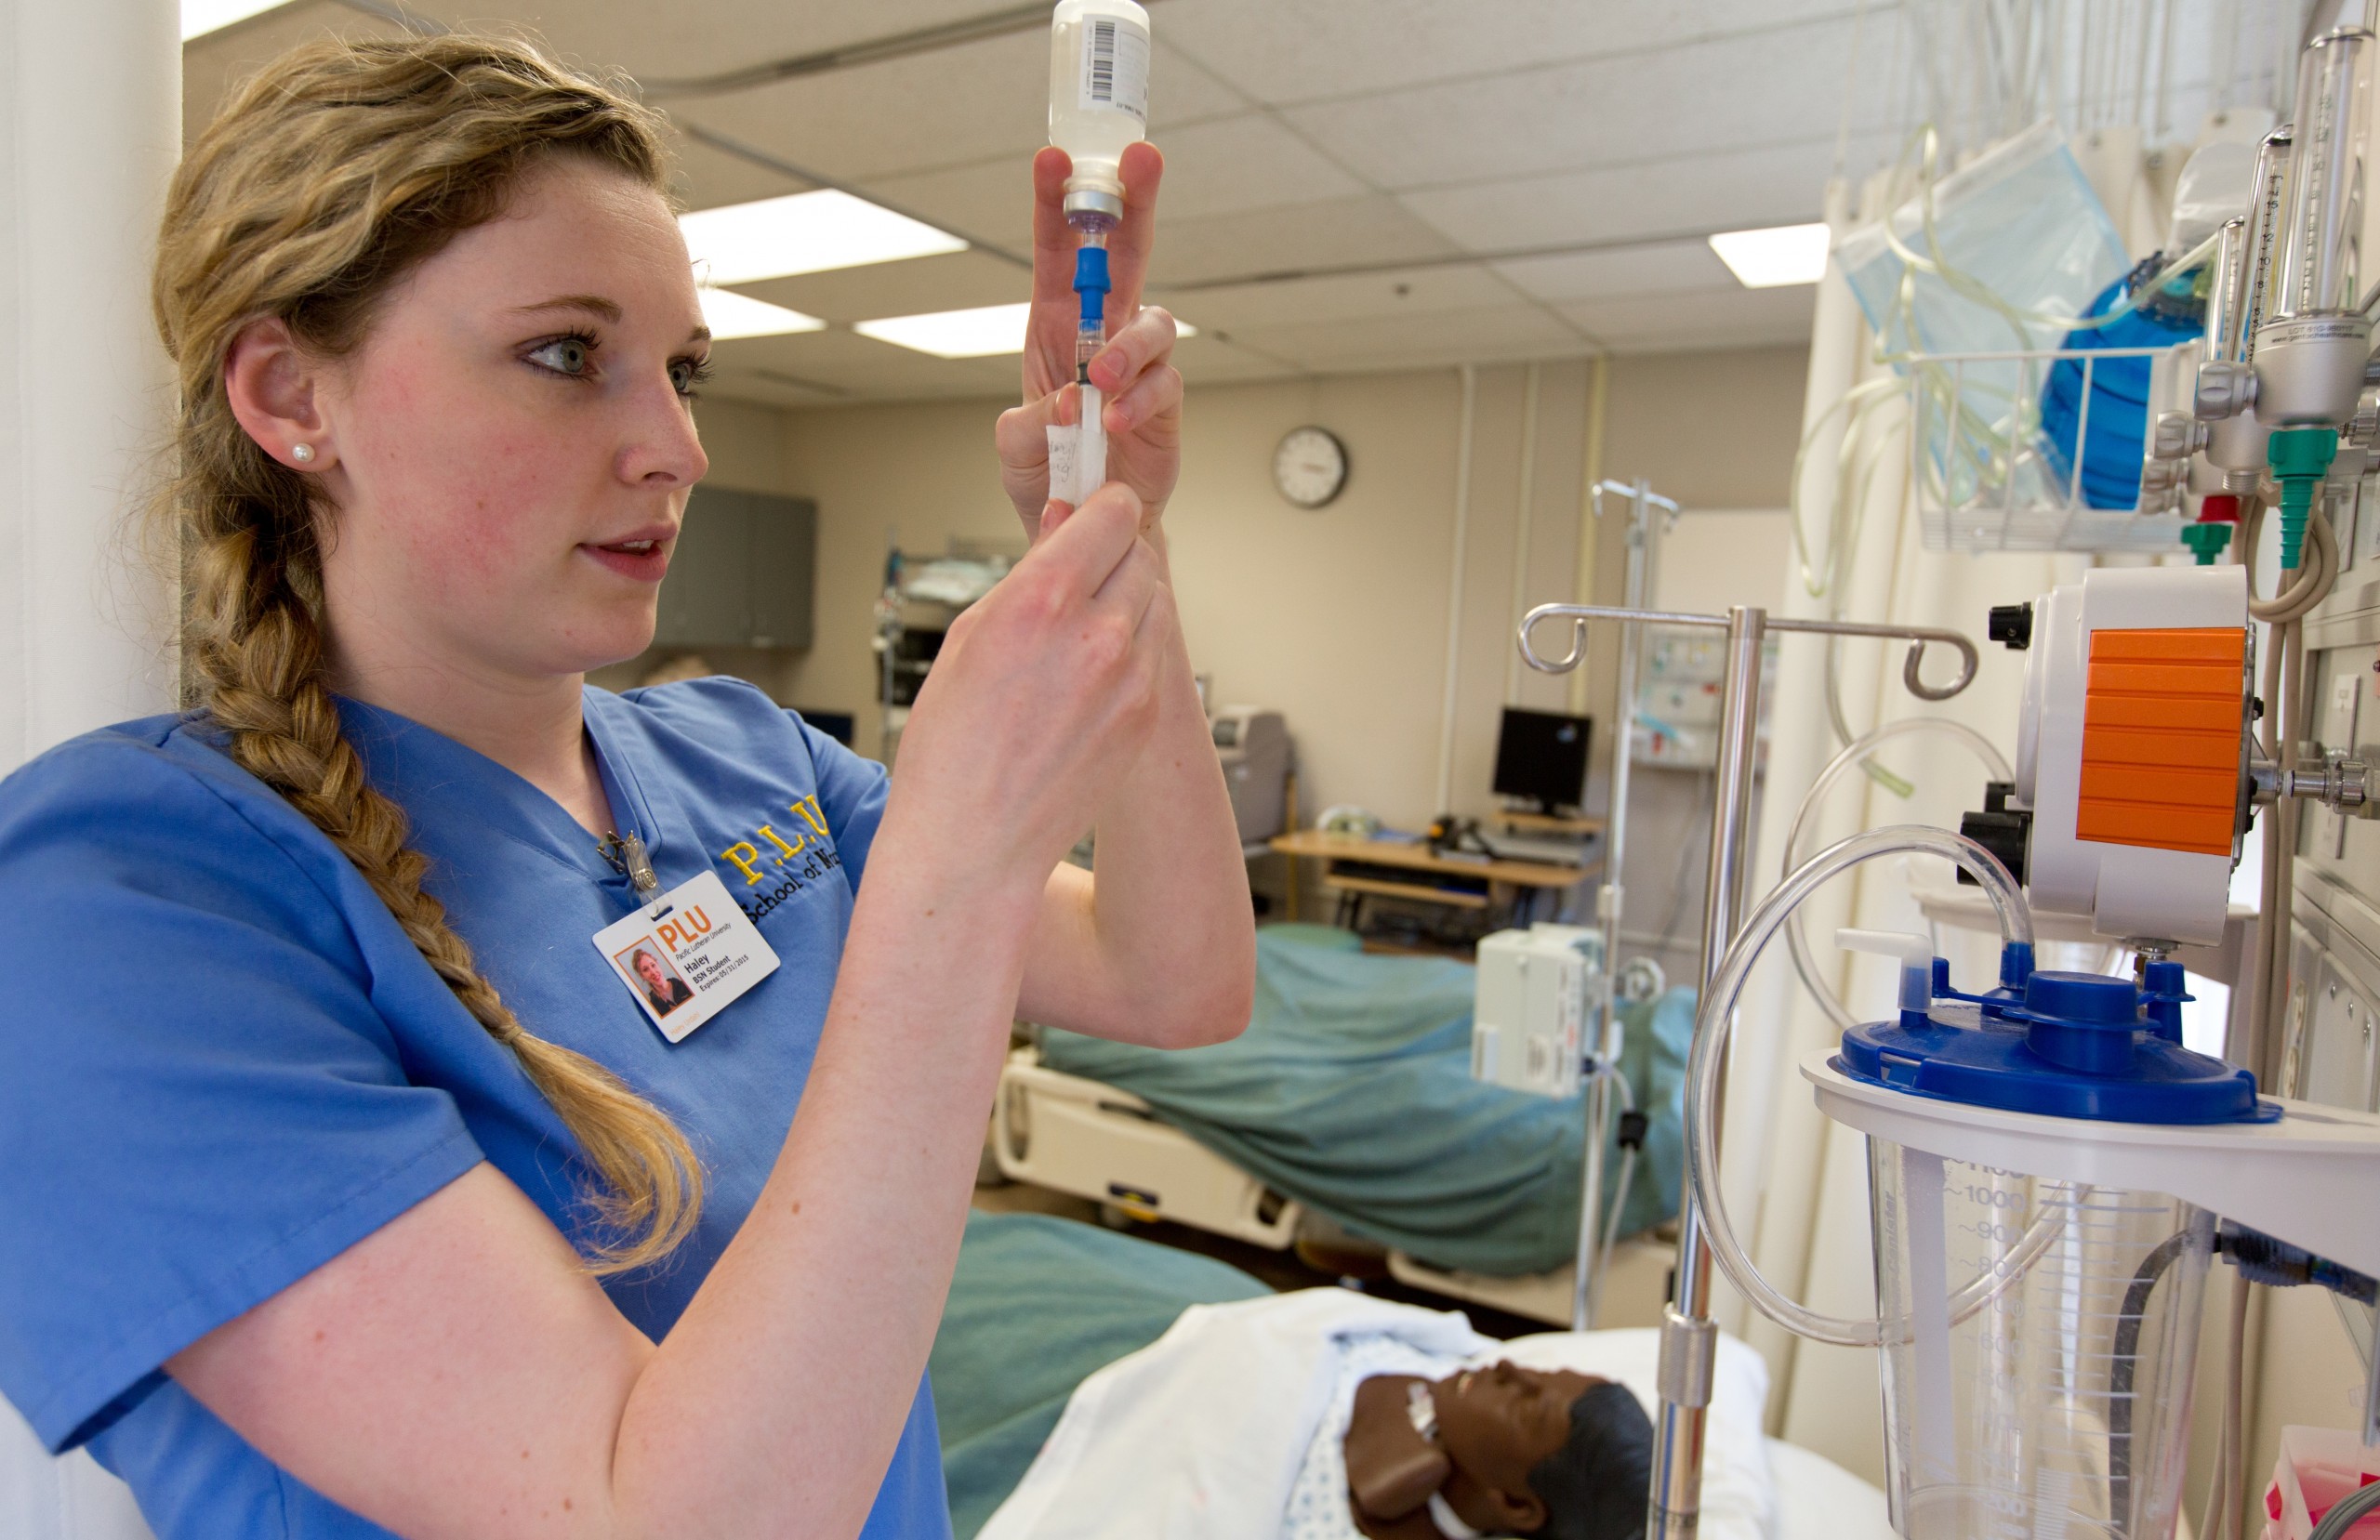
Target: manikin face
[514,441]
[1497,1425]
[649,966]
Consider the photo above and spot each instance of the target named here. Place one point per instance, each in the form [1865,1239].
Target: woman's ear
[271,383]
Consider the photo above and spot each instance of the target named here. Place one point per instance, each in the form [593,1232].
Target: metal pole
[1642,505]
[1689,1338]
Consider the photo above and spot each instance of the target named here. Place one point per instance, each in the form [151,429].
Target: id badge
[687,956]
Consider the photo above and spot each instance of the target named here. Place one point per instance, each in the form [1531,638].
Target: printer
[1254,746]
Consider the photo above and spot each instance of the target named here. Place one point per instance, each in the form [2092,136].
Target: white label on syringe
[1063,442]
[1115,66]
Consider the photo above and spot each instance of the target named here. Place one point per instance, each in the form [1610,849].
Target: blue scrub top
[223,1063]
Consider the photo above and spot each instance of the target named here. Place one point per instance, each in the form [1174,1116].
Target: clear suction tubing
[1099,106]
[1717,1020]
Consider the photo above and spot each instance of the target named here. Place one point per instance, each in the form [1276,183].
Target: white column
[90,123]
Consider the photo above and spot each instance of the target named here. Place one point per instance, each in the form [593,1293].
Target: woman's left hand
[1134,372]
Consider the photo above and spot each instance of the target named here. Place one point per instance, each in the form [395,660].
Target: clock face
[1309,466]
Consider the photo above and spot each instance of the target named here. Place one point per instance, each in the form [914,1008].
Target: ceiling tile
[705,176]
[958,280]
[1661,268]
[1248,162]
[1290,53]
[1777,184]
[955,107]
[1332,232]
[1385,298]
[1735,92]
[1711,317]
[989,201]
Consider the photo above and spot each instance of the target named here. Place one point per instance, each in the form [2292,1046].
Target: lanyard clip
[626,852]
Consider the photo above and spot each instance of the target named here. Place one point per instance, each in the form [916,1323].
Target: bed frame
[1093,1140]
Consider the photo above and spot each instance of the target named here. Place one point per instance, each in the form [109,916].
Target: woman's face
[650,966]
[513,439]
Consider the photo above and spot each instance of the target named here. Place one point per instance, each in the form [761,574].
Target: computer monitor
[1542,755]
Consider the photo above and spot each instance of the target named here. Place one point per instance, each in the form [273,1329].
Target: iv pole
[1689,1338]
[1586,1293]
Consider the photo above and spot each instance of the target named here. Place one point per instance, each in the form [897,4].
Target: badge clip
[626,852]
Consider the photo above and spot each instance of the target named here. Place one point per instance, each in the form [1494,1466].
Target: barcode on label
[1101,63]
[1115,66]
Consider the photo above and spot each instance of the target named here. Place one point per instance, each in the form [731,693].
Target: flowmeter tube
[2318,269]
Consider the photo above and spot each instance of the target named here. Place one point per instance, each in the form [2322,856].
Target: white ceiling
[1351,184]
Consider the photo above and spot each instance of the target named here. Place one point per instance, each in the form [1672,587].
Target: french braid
[322,181]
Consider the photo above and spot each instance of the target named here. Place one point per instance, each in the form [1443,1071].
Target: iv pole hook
[1911,672]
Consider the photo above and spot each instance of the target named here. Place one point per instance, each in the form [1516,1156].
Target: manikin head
[1511,1451]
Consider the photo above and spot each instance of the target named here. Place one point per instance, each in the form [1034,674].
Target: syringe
[1091,335]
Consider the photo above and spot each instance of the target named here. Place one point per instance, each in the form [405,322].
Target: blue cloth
[2117,432]
[1038,1304]
[1351,1091]
[235,1065]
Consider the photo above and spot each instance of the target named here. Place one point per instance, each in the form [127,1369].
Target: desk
[1528,877]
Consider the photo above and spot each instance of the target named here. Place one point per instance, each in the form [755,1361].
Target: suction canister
[2038,1378]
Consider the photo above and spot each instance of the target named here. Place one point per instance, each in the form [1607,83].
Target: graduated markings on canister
[2160,738]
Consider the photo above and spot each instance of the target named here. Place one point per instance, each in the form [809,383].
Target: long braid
[254,653]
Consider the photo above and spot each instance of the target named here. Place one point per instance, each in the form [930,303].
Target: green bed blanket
[1036,1304]
[1351,1091]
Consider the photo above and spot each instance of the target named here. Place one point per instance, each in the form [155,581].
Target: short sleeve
[200,1101]
[851,797]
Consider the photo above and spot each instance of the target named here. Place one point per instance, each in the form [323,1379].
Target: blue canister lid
[2065,1044]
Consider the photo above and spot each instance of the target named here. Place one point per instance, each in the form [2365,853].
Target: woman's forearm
[1159,946]
[775,1401]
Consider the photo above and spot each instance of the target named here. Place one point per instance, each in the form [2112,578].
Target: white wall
[90,121]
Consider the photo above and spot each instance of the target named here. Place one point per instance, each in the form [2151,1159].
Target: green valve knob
[2300,458]
[2206,540]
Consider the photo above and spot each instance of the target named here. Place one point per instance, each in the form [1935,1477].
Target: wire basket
[1992,471]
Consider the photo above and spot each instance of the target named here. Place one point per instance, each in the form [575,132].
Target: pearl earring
[302,454]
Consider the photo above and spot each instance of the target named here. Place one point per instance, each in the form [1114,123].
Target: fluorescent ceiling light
[980,333]
[1774,258]
[728,314]
[803,233]
[200,17]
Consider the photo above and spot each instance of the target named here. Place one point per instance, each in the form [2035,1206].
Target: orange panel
[2118,746]
[2160,738]
[2211,644]
[2218,715]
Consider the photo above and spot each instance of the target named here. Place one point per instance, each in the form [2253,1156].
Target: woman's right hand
[1041,698]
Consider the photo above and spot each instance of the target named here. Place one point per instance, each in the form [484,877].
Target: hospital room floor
[1281,1271]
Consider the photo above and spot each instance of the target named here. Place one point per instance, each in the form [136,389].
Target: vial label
[1115,66]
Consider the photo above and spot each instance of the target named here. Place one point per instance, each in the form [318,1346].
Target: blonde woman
[352,1188]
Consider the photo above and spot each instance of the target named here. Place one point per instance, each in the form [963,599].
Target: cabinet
[743,572]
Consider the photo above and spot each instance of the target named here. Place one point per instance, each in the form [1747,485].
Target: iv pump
[1099,105]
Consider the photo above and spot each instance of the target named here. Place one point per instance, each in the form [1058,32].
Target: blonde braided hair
[323,180]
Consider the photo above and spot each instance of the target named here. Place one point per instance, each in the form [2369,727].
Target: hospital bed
[1038,1303]
[1350,1095]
